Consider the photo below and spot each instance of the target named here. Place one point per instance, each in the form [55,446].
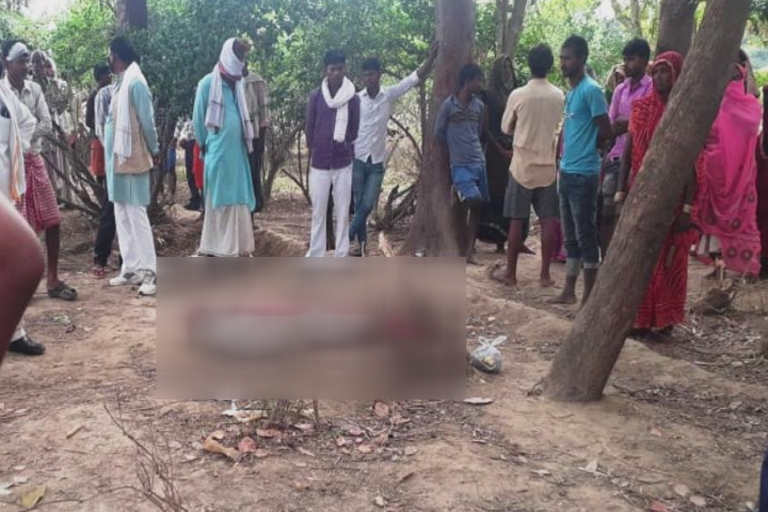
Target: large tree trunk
[132,14]
[437,227]
[584,363]
[677,21]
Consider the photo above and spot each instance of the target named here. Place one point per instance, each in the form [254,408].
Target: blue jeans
[367,178]
[578,209]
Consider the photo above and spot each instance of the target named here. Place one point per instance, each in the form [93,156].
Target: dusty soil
[683,421]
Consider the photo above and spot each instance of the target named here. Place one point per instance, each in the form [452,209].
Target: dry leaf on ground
[364,448]
[269,433]
[246,445]
[411,450]
[381,409]
[33,497]
[212,446]
[682,490]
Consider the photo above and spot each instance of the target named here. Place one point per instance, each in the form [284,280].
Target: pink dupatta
[727,198]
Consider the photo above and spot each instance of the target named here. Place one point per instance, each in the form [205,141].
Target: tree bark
[438,228]
[584,363]
[515,26]
[132,14]
[677,20]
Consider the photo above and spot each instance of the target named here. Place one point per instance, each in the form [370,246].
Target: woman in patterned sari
[664,304]
[727,203]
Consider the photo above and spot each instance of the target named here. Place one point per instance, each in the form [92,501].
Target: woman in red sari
[664,304]
[727,203]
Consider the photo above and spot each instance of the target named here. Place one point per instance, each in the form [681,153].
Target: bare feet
[546,282]
[472,260]
[503,277]
[564,298]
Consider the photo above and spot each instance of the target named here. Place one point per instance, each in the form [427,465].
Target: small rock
[682,491]
[379,501]
[699,501]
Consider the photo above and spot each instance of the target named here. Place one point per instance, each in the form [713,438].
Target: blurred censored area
[300,328]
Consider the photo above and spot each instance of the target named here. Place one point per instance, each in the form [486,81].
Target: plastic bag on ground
[487,357]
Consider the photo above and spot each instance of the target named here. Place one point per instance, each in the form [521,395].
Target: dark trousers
[764,487]
[256,159]
[189,159]
[578,210]
[105,235]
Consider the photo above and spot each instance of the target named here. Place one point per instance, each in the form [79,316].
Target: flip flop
[99,272]
[63,292]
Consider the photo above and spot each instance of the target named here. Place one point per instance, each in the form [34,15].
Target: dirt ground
[682,428]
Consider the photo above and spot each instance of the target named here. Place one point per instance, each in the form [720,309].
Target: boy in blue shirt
[586,128]
[459,128]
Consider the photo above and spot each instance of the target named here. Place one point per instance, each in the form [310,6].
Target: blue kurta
[227,179]
[131,188]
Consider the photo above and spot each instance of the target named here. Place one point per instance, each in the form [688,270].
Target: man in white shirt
[532,117]
[21,260]
[376,103]
[39,205]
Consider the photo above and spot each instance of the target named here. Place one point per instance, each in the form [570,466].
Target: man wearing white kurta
[130,142]
[224,131]
[333,121]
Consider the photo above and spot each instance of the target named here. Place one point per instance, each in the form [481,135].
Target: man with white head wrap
[17,126]
[224,131]
[39,204]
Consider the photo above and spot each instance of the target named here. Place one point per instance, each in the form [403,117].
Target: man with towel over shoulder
[224,131]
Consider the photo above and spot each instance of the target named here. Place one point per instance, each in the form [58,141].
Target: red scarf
[647,112]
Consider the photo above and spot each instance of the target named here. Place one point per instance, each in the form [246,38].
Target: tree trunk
[132,14]
[584,363]
[437,228]
[515,26]
[677,20]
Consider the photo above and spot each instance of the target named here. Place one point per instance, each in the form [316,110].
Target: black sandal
[63,292]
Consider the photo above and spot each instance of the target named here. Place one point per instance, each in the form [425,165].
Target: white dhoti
[320,182]
[227,231]
[134,236]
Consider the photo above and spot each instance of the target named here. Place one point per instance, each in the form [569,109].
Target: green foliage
[553,21]
[81,38]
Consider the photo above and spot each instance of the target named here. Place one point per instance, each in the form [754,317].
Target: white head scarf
[229,64]
[18,51]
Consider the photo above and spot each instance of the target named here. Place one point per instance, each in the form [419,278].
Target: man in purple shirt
[638,84]
[333,121]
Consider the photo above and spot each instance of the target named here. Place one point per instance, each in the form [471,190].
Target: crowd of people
[571,157]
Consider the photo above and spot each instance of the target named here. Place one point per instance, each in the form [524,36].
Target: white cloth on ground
[320,182]
[135,239]
[233,67]
[227,231]
[340,103]
[123,121]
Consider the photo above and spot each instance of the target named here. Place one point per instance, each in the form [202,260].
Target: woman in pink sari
[727,203]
